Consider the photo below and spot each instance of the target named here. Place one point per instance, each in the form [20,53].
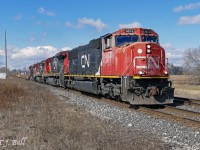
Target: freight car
[128,65]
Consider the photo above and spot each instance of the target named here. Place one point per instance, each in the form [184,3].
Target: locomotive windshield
[153,39]
[122,39]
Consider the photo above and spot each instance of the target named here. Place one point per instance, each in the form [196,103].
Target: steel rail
[188,102]
[197,114]
[171,117]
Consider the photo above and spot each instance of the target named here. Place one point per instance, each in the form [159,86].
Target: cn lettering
[85,60]
[151,59]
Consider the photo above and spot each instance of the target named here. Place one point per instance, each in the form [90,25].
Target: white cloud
[24,57]
[2,57]
[34,52]
[18,17]
[68,24]
[50,13]
[190,6]
[131,25]
[42,10]
[18,58]
[2,52]
[174,55]
[189,20]
[98,24]
[167,46]
[66,48]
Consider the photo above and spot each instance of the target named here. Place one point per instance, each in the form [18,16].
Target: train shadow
[155,106]
[147,106]
[175,104]
[92,95]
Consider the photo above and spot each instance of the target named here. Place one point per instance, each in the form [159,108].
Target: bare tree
[192,63]
[175,70]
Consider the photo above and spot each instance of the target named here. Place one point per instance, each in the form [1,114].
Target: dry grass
[183,79]
[29,110]
[185,86]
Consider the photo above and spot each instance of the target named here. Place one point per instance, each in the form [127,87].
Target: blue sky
[37,29]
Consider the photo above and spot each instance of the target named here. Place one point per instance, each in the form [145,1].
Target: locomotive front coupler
[152,91]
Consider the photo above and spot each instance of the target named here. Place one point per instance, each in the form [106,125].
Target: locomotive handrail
[141,67]
[124,74]
[166,64]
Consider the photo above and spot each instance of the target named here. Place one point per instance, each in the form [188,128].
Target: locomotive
[128,65]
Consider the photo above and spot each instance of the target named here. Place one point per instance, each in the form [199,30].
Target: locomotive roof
[135,30]
[95,43]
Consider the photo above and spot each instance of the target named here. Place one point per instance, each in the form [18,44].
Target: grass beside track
[185,86]
[29,110]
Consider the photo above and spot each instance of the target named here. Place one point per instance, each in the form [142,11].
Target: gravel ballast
[191,108]
[176,135]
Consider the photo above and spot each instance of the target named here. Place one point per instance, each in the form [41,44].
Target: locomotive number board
[129,30]
[147,31]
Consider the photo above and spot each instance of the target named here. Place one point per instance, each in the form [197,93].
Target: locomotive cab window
[124,39]
[107,42]
[153,39]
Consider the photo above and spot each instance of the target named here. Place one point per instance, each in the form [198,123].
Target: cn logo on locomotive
[151,61]
[85,60]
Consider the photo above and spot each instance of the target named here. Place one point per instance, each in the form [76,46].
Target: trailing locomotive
[127,65]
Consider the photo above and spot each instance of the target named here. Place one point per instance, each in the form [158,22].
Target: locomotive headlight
[148,46]
[140,72]
[139,51]
[148,51]
[165,72]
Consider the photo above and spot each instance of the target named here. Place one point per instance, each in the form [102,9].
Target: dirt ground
[185,86]
[32,118]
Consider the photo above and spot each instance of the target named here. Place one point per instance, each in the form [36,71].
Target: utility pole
[6,55]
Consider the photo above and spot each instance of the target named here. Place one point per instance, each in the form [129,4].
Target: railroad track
[187,101]
[183,111]
[171,117]
[169,113]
